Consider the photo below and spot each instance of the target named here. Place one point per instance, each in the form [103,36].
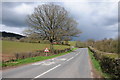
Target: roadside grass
[97,66]
[94,61]
[32,59]
[0,63]
[12,47]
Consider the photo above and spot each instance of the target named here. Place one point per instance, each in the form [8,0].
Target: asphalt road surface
[73,65]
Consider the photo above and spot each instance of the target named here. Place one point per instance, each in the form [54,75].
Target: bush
[61,51]
[106,45]
[108,65]
[36,53]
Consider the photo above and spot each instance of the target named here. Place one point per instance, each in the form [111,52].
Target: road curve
[72,65]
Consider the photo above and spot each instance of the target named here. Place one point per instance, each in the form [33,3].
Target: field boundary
[108,66]
[20,62]
[95,66]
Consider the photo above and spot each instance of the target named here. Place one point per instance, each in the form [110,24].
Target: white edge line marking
[70,58]
[48,71]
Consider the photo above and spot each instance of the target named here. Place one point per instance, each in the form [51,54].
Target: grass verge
[32,59]
[97,66]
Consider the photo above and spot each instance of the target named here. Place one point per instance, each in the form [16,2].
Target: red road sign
[46,50]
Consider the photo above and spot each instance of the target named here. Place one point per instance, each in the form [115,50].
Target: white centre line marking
[38,63]
[70,58]
[48,71]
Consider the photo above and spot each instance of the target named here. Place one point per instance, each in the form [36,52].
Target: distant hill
[8,34]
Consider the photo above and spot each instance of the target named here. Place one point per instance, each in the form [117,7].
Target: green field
[11,47]
[111,55]
[72,43]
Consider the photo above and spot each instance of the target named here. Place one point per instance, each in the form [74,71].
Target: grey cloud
[13,4]
[91,22]
[96,26]
[9,4]
[11,18]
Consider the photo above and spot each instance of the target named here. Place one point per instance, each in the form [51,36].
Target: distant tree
[80,44]
[107,45]
[51,22]
[67,39]
[90,42]
[10,35]
[118,45]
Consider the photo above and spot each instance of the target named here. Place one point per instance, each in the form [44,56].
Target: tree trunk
[51,46]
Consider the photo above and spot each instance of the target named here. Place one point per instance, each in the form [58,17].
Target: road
[73,65]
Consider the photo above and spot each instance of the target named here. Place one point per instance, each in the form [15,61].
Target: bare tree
[51,22]
[90,42]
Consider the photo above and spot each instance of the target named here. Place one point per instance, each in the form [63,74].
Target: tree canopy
[52,22]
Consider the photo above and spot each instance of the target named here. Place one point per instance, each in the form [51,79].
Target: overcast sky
[97,20]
